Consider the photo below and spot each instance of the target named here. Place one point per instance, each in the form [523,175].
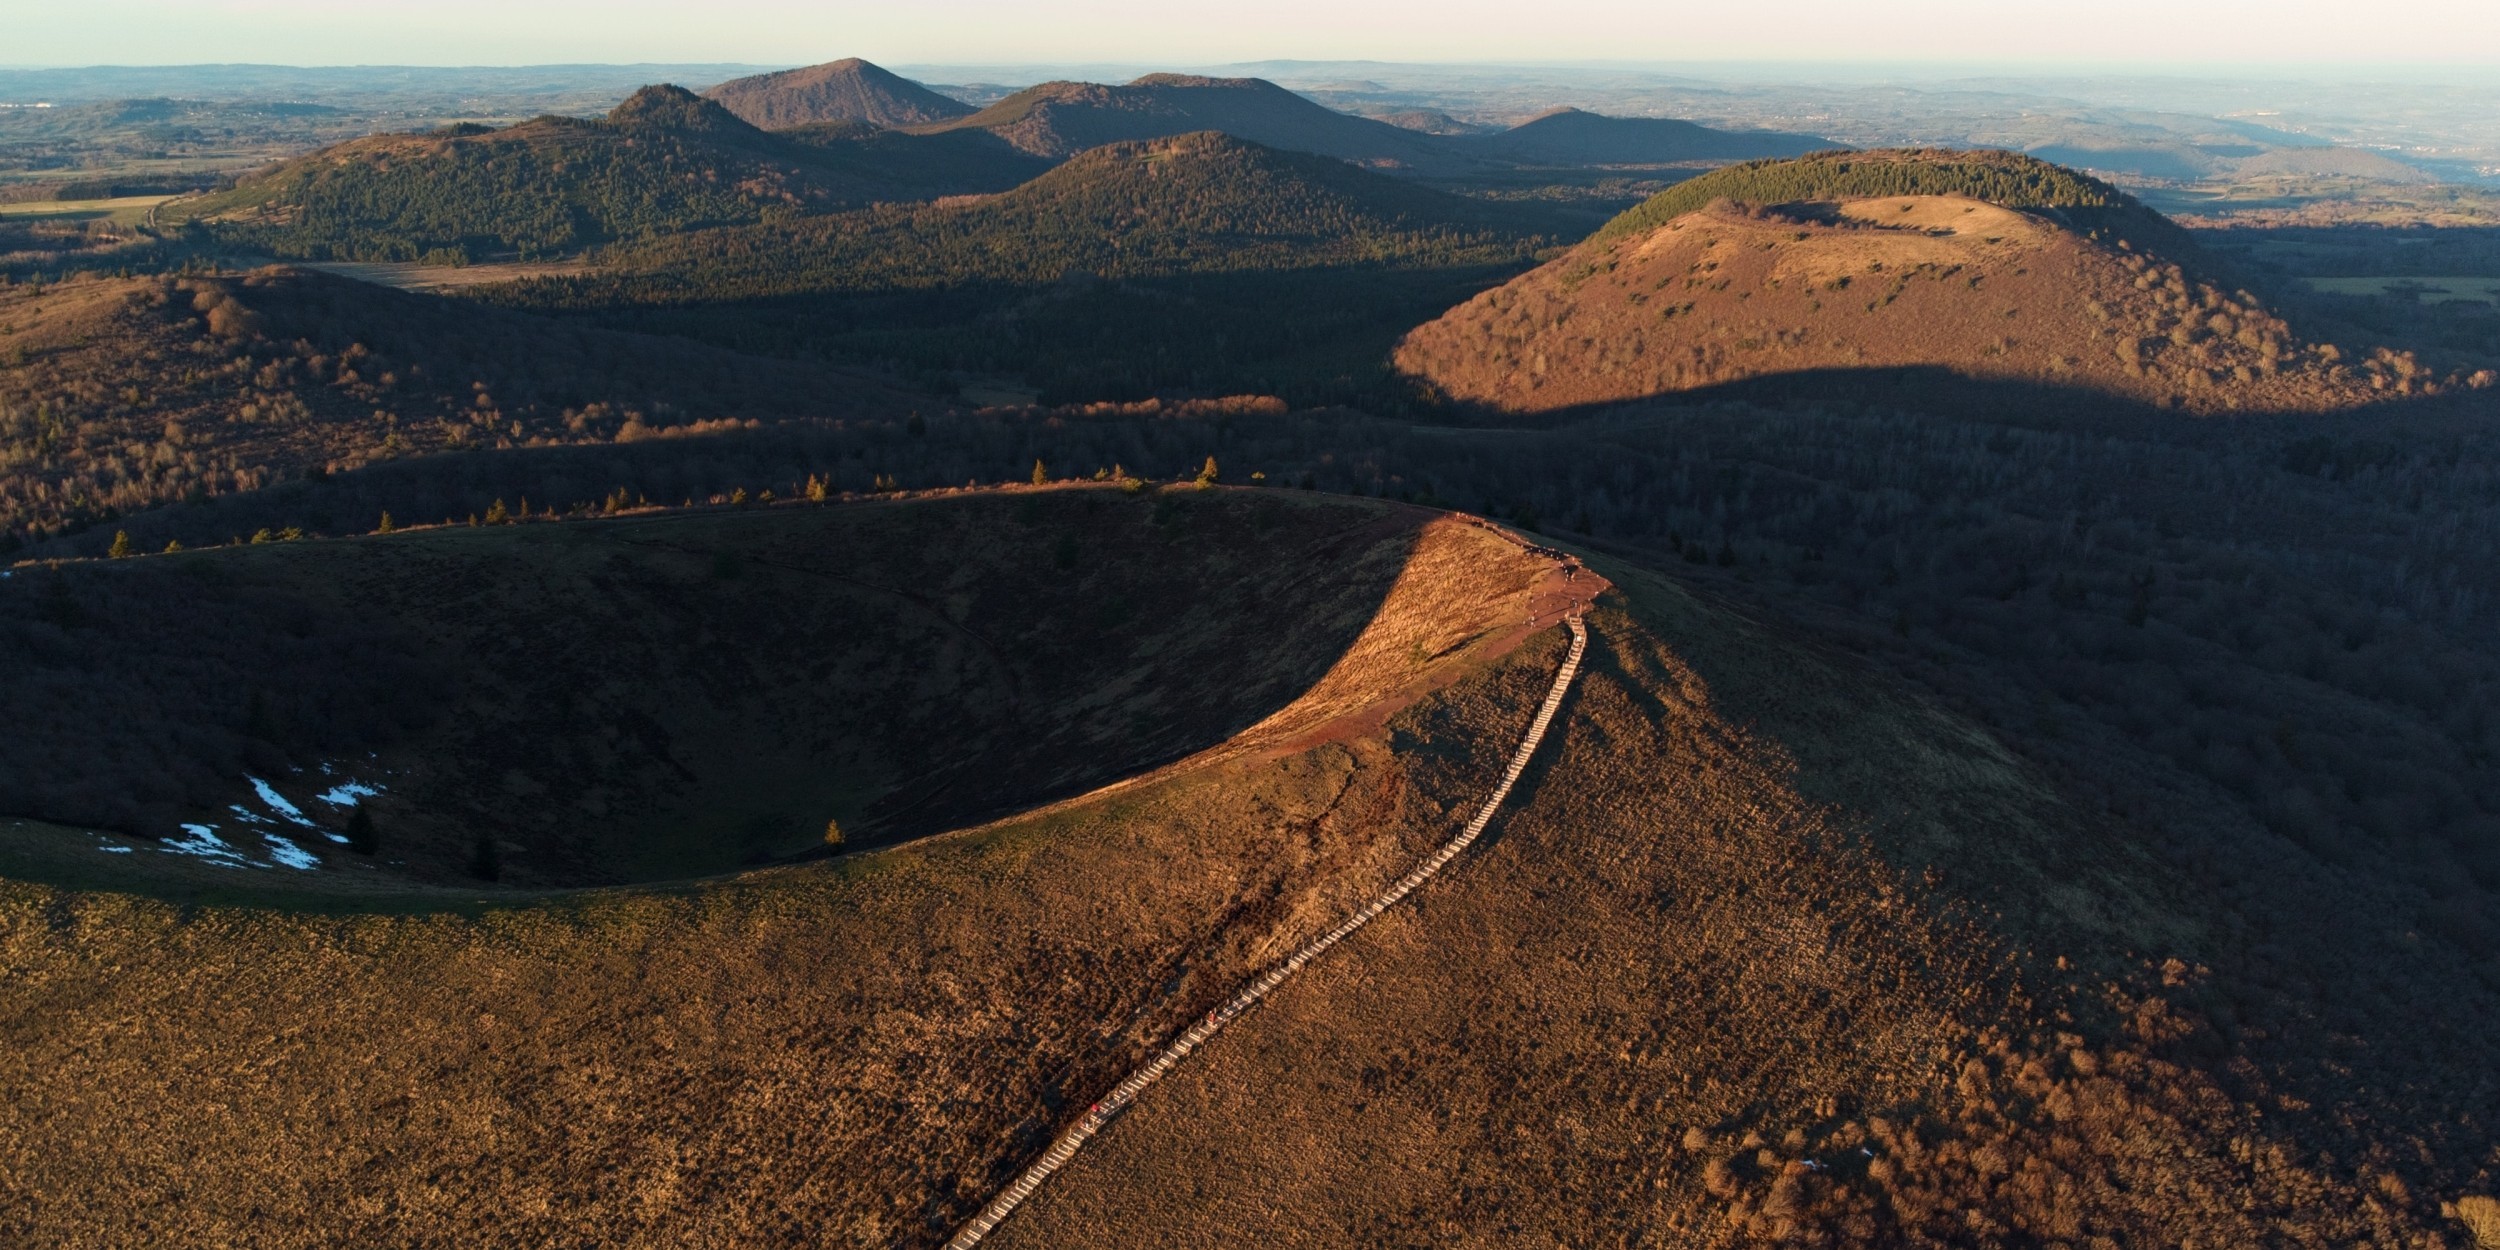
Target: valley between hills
[1301,678]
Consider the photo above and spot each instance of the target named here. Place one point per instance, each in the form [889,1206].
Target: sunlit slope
[1983,265]
[1764,954]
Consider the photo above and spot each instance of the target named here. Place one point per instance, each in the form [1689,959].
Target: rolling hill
[848,90]
[1992,1011]
[1573,137]
[663,161]
[1983,265]
[1060,119]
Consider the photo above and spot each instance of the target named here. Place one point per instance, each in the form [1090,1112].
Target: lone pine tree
[360,838]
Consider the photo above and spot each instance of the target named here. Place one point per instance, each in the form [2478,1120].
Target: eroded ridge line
[1118,1100]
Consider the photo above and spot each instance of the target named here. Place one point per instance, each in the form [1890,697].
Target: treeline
[2009,179]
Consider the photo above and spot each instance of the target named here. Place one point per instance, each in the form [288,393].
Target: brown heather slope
[1703,989]
[118,395]
[1730,291]
[1763,951]
[848,90]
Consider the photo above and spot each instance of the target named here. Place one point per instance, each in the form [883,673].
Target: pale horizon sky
[1978,34]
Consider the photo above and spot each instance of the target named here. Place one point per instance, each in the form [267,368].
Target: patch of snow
[278,802]
[348,793]
[339,838]
[116,850]
[246,815]
[289,854]
[204,843]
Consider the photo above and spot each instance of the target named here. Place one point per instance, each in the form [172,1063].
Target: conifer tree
[387,524]
[497,514]
[360,837]
[1206,474]
[121,549]
[1041,476]
[834,837]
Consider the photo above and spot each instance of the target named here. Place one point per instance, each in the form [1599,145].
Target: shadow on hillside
[1936,391]
[1314,335]
[664,697]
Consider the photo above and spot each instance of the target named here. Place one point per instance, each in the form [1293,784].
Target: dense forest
[1201,264]
[122,394]
[1200,203]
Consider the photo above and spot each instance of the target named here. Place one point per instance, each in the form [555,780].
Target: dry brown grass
[1680,1002]
[1727,294]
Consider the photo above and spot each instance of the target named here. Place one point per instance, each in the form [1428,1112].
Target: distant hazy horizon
[1977,36]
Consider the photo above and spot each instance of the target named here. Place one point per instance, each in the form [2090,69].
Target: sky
[1982,33]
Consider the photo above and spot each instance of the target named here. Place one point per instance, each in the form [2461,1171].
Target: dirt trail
[1569,604]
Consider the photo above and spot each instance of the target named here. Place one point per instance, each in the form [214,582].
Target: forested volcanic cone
[1990,265]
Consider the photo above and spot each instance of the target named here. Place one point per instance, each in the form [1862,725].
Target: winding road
[1118,1100]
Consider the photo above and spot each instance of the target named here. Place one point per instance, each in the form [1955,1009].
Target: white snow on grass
[347,793]
[117,850]
[278,802]
[202,841]
[289,854]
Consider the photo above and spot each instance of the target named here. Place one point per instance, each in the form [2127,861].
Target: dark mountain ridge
[1570,136]
[665,160]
